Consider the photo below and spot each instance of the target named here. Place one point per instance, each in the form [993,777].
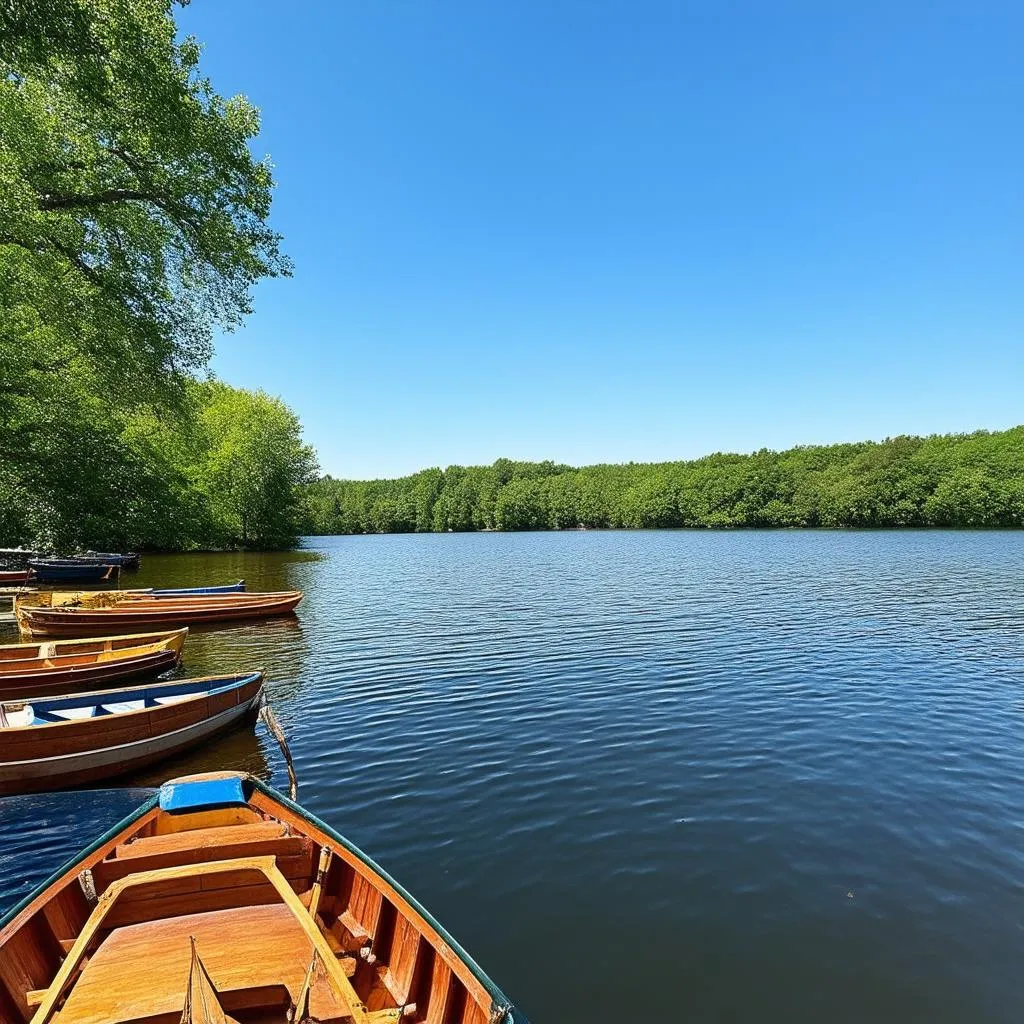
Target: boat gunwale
[167,634]
[500,1000]
[131,606]
[61,662]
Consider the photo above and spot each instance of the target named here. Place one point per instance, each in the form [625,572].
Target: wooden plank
[223,835]
[440,992]
[402,959]
[29,961]
[255,957]
[295,853]
[67,912]
[206,819]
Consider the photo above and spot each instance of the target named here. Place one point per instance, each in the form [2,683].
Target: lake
[666,776]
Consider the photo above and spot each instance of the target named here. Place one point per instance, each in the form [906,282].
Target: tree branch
[104,198]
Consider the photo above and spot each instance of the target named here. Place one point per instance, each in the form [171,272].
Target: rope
[272,724]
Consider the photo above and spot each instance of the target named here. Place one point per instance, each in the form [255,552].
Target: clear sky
[609,231]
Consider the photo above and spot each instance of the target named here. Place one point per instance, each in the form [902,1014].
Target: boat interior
[224,903]
[48,649]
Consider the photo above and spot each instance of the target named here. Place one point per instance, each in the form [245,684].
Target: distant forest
[959,480]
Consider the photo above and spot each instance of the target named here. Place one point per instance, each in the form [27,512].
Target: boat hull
[86,572]
[130,560]
[157,613]
[69,666]
[78,678]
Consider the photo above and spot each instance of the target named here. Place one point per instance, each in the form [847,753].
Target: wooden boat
[70,569]
[53,742]
[143,611]
[14,577]
[220,896]
[64,666]
[225,588]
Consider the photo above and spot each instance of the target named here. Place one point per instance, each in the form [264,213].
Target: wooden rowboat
[54,742]
[143,611]
[65,666]
[220,896]
[12,577]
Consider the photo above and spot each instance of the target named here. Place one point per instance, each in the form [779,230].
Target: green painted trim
[77,859]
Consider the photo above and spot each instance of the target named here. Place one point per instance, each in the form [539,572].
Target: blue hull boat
[226,588]
[68,571]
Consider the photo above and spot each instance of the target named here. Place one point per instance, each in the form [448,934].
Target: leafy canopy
[134,216]
[134,221]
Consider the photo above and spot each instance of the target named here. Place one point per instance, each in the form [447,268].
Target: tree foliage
[960,480]
[134,222]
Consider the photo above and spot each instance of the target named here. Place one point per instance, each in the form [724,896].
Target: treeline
[133,226]
[958,480]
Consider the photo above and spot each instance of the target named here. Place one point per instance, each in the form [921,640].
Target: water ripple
[781,769]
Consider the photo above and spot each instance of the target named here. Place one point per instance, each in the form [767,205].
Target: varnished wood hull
[85,751]
[49,682]
[281,910]
[154,613]
[14,577]
[67,666]
[12,656]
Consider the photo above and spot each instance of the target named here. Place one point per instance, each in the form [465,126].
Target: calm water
[661,776]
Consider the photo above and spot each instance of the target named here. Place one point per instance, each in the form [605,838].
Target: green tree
[254,465]
[133,223]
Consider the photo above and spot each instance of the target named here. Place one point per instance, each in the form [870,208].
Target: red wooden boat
[36,617]
[64,666]
[14,577]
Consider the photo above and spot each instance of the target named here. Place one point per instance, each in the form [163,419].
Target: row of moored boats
[67,713]
[218,901]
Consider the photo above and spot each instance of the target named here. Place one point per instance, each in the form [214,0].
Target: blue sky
[602,232]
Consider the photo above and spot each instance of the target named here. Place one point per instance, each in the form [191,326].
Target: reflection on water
[678,776]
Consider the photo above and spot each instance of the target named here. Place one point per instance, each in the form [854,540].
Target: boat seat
[256,839]
[254,955]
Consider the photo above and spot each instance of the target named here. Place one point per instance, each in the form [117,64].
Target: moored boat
[73,570]
[64,666]
[54,742]
[14,577]
[38,615]
[219,896]
[128,560]
[224,588]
